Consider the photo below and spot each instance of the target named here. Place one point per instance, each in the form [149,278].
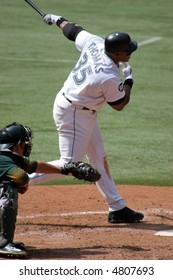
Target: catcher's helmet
[119,41]
[15,133]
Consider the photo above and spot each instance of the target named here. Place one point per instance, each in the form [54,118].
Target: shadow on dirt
[139,226]
[65,253]
[77,253]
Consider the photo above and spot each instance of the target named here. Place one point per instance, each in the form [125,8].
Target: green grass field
[35,60]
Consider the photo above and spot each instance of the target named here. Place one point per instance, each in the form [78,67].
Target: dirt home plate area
[69,222]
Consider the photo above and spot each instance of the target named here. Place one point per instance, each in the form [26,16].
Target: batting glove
[126,70]
[50,19]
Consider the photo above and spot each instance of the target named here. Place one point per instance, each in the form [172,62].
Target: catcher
[15,165]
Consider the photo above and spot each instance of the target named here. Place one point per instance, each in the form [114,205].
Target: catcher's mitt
[81,171]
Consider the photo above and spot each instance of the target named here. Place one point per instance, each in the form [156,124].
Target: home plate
[165,233]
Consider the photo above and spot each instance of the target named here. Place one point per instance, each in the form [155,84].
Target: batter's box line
[153,211]
[62,214]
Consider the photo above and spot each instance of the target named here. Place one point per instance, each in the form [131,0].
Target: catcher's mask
[119,41]
[15,133]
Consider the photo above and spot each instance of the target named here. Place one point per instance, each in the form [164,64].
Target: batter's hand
[126,70]
[50,19]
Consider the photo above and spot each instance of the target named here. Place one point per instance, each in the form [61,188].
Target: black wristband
[59,21]
[129,82]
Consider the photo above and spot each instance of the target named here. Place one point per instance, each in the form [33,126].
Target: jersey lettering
[81,70]
[96,55]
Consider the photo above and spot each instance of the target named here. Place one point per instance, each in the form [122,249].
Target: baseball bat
[35,8]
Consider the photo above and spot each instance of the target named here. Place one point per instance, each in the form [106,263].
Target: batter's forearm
[70,29]
[127,90]
[63,24]
[126,99]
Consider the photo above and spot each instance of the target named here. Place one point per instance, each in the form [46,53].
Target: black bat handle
[35,7]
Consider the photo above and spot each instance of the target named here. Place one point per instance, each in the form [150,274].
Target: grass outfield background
[35,60]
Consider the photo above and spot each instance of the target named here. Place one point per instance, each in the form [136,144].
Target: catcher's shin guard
[8,213]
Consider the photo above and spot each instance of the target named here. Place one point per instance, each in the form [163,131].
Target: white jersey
[95,79]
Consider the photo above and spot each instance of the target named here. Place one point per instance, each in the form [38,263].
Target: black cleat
[19,245]
[12,250]
[125,215]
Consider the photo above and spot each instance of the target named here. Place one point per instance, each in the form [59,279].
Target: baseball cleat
[11,250]
[19,245]
[125,215]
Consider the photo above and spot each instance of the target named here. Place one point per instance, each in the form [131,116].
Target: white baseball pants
[79,135]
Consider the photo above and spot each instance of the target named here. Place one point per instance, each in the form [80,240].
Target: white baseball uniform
[94,81]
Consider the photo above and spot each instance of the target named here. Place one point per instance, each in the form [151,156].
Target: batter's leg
[75,127]
[106,186]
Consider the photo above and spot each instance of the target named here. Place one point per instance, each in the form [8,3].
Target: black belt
[83,108]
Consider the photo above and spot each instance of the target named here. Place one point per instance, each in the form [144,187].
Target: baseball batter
[93,82]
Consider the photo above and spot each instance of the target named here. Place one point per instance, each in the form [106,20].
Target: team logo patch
[120,87]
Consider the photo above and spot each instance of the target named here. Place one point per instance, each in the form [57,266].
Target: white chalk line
[155,211]
[61,214]
[142,43]
[149,41]
[168,232]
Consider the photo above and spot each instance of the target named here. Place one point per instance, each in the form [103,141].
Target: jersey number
[81,70]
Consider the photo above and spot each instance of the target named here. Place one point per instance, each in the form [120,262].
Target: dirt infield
[70,223]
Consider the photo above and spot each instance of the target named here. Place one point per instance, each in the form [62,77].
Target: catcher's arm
[80,170]
[47,168]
